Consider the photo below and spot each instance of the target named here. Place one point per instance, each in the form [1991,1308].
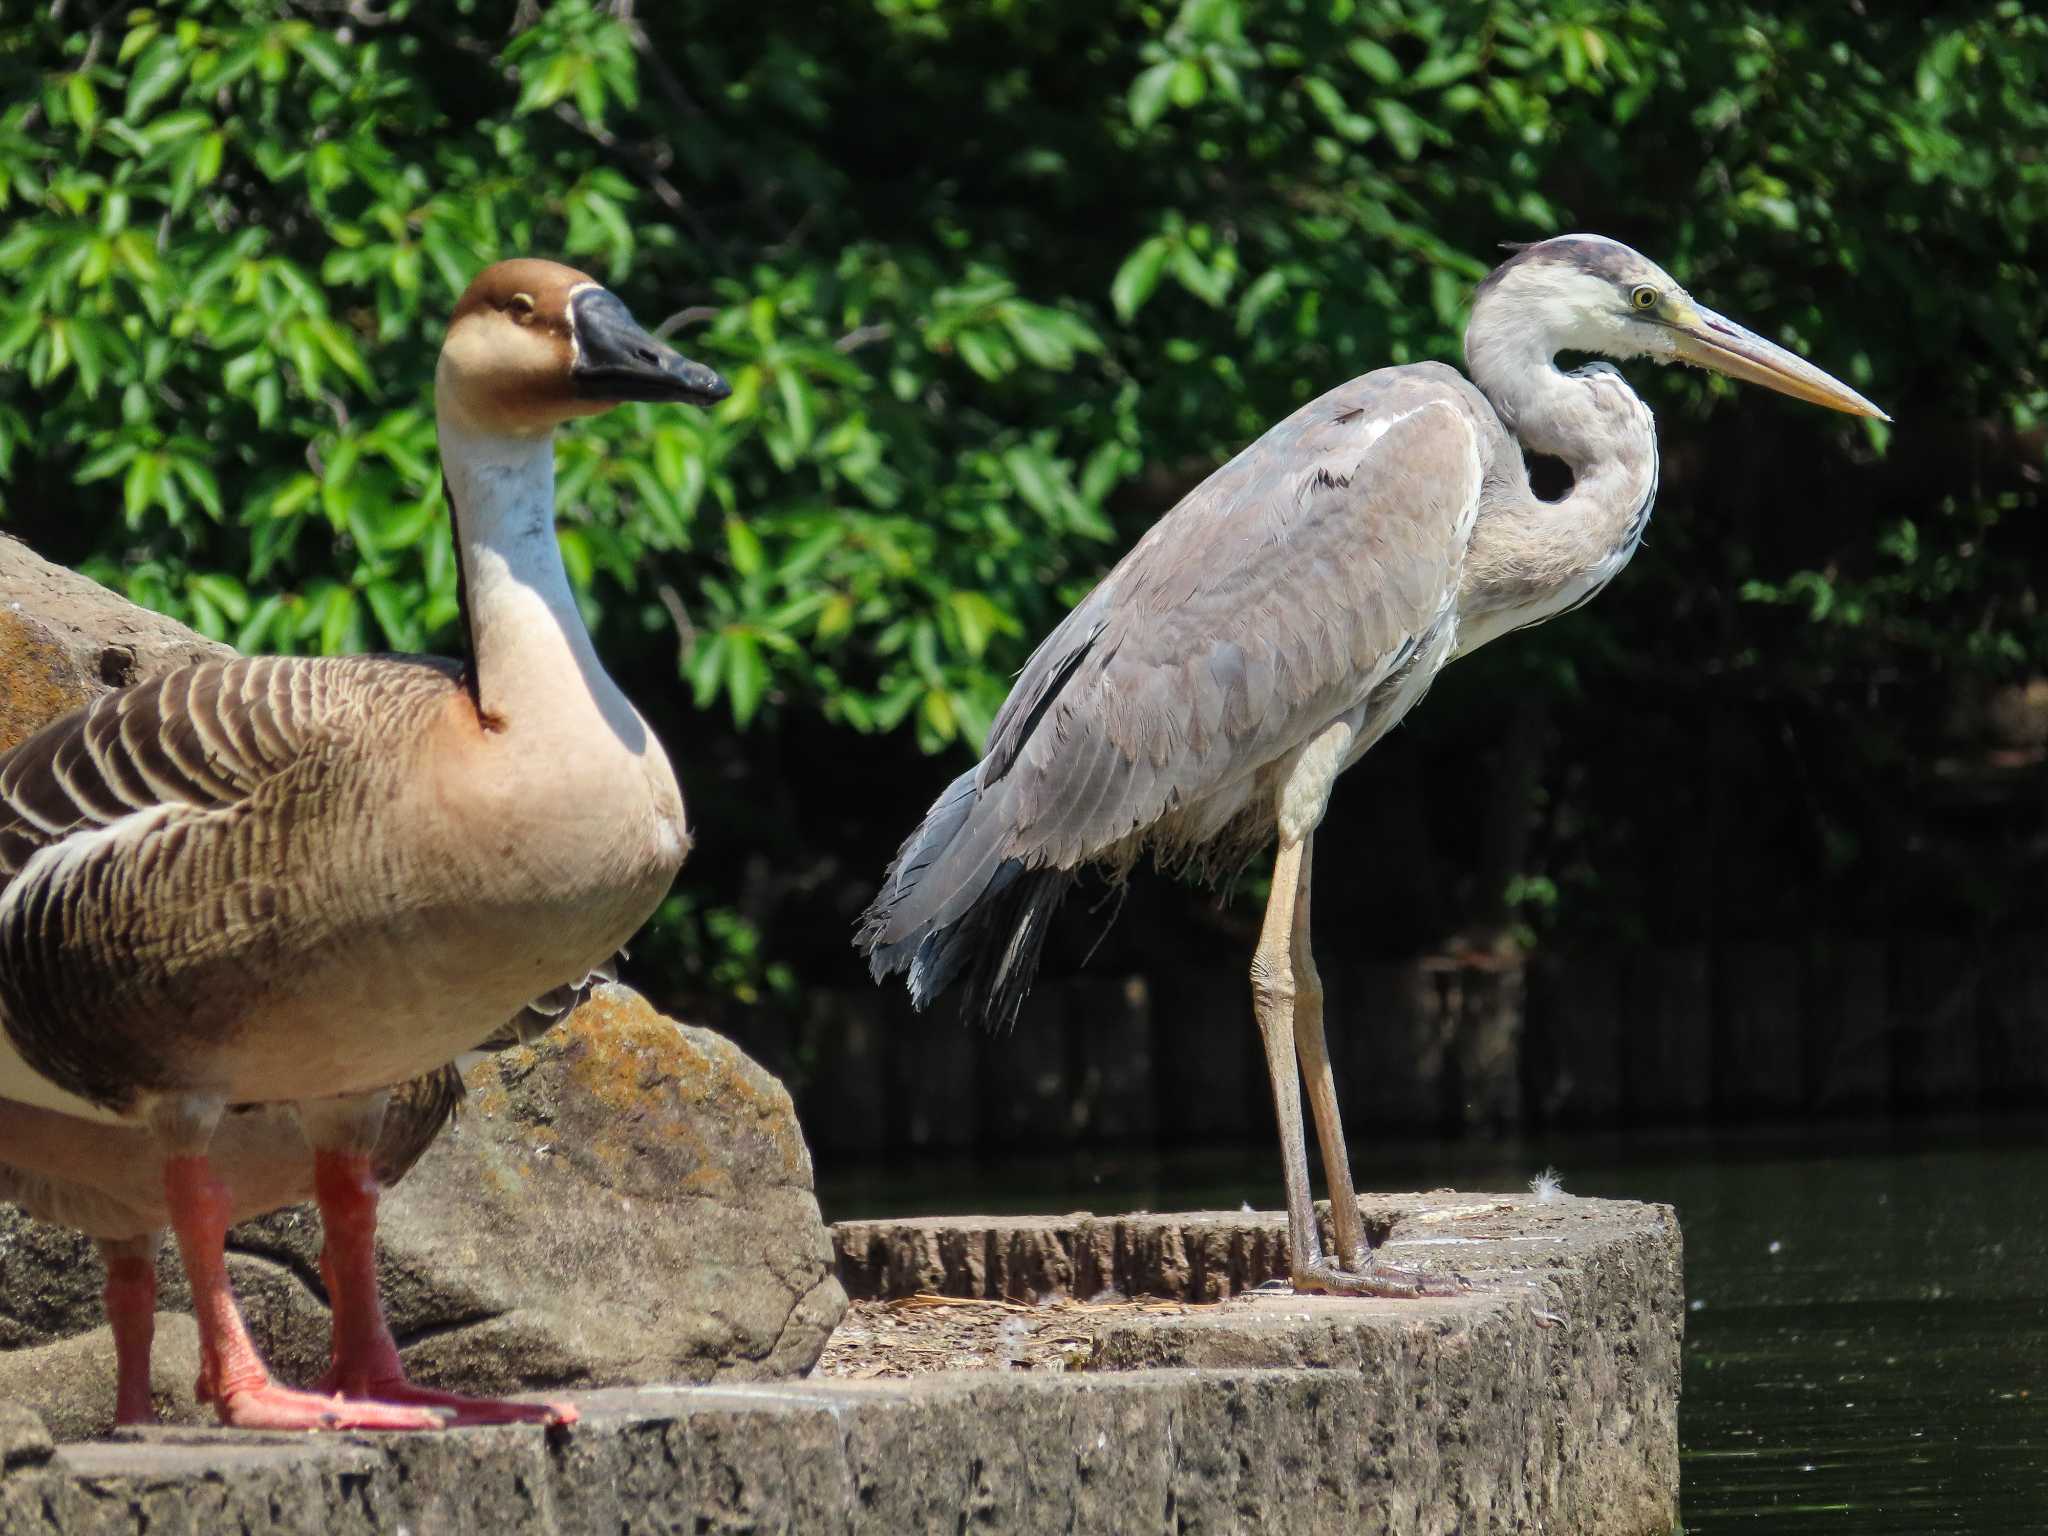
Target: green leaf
[1403,127]
[341,623]
[1150,93]
[746,675]
[1139,275]
[796,406]
[320,50]
[155,72]
[1035,480]
[1380,65]
[1210,284]
[743,548]
[82,100]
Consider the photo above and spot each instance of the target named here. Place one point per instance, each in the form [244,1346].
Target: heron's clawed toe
[1326,1277]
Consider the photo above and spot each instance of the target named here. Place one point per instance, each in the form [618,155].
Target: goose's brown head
[534,343]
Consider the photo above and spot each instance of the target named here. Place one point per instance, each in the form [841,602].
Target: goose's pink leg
[232,1374]
[366,1363]
[130,1296]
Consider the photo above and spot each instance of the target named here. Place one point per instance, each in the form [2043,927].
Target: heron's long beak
[1708,340]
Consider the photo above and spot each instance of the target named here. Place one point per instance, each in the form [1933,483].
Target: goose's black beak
[617,360]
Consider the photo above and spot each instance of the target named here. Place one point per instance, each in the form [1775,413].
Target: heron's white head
[1587,293]
[534,343]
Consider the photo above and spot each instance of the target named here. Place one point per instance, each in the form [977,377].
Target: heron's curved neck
[531,659]
[1528,558]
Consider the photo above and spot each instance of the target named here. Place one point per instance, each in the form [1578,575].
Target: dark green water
[1867,1341]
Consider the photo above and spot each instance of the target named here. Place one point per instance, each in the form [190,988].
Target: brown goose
[106,1182]
[300,881]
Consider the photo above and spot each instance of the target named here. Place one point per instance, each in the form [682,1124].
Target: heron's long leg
[1283,981]
[1352,1250]
[1273,1001]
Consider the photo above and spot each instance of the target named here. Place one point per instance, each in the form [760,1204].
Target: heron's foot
[1326,1277]
[271,1406]
[455,1409]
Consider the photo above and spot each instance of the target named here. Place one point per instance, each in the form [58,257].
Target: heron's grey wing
[1270,602]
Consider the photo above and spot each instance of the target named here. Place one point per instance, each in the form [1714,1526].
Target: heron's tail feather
[952,905]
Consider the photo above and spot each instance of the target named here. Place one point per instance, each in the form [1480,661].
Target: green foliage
[241,229]
[992,282]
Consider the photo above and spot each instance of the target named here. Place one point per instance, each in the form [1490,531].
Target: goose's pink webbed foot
[232,1375]
[366,1366]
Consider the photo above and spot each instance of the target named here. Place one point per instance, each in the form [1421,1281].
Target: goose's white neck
[533,660]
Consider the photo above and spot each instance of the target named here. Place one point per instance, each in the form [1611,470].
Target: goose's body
[291,883]
[107,1181]
[334,870]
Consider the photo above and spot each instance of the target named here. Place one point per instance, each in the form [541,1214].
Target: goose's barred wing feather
[203,737]
[147,847]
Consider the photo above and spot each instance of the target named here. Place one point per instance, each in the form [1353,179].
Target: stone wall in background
[1438,1046]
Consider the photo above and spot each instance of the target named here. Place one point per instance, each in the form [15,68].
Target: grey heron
[1265,632]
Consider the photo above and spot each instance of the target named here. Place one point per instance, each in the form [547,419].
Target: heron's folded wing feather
[1267,604]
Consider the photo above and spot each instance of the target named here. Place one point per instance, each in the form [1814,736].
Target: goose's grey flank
[1201,701]
[300,881]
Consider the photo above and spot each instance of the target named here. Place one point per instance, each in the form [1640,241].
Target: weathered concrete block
[627,1200]
[24,1439]
[1544,1400]
[65,639]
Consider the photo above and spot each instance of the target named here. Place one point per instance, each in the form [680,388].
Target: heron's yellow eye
[1644,297]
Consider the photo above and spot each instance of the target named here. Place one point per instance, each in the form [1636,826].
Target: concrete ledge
[1545,1399]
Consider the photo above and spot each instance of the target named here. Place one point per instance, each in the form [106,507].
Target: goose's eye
[520,308]
[1644,297]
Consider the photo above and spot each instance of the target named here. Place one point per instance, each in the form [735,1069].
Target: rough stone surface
[24,1440]
[69,1384]
[629,1200]
[1543,1400]
[65,639]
